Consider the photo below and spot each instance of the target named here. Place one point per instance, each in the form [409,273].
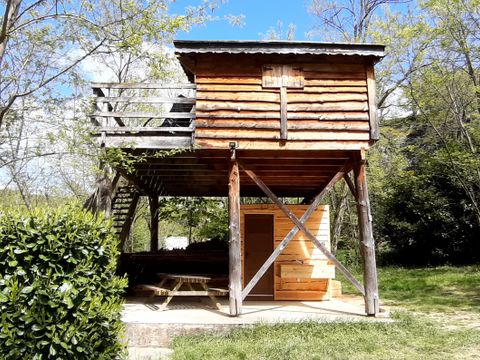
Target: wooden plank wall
[330,112]
[299,256]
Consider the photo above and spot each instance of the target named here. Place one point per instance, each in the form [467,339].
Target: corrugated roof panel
[278,47]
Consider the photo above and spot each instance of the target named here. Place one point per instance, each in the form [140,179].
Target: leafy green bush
[59,296]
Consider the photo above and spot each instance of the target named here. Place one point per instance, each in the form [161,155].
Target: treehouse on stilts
[269,119]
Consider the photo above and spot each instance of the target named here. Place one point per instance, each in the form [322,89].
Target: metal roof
[277,47]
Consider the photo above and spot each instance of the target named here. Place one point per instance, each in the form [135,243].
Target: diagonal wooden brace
[291,234]
[350,184]
[303,229]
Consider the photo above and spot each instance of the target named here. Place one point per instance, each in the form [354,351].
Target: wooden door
[258,247]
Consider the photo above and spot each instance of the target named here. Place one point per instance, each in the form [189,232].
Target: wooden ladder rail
[125,231]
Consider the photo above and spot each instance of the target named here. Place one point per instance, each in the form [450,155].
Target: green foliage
[203,218]
[430,223]
[349,256]
[139,238]
[197,218]
[424,174]
[422,213]
[59,297]
[119,158]
[13,199]
[127,160]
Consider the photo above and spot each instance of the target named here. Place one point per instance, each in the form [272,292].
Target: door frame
[266,211]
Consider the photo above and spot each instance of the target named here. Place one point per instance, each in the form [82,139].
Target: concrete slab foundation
[147,327]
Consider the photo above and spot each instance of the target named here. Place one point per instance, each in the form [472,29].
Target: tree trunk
[341,207]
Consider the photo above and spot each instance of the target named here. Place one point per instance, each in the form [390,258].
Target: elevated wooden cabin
[258,118]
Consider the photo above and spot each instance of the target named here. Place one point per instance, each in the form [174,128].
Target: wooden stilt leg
[235,265]
[367,244]
[153,200]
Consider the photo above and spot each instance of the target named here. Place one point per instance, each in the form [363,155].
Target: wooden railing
[144,114]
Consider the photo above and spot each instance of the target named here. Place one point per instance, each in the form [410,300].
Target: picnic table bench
[176,282]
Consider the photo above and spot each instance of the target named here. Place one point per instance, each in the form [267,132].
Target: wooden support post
[291,234]
[153,202]
[303,229]
[367,244]
[234,247]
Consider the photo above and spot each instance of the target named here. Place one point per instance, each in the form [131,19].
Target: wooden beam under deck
[205,172]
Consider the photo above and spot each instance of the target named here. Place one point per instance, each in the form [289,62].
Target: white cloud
[396,106]
[95,70]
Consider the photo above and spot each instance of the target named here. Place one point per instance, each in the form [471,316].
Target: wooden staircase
[124,204]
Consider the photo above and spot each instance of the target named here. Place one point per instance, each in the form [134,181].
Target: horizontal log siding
[300,251]
[330,112]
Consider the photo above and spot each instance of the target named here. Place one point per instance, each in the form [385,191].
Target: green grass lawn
[437,313]
[442,289]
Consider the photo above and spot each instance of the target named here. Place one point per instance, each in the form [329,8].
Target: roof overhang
[188,50]
[278,48]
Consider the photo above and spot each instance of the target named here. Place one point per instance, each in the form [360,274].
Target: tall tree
[431,209]
[347,20]
[46,47]
[43,40]
[369,21]
[279,33]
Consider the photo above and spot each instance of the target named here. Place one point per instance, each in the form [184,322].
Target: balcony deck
[144,115]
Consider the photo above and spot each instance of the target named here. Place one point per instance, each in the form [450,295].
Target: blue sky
[260,15]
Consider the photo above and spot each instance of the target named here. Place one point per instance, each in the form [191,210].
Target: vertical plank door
[258,247]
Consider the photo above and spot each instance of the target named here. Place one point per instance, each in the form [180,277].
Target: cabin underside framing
[205,172]
[275,174]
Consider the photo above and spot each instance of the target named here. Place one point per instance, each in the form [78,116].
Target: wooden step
[125,190]
[122,207]
[121,210]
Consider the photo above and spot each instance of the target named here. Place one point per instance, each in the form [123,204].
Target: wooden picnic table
[176,281]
